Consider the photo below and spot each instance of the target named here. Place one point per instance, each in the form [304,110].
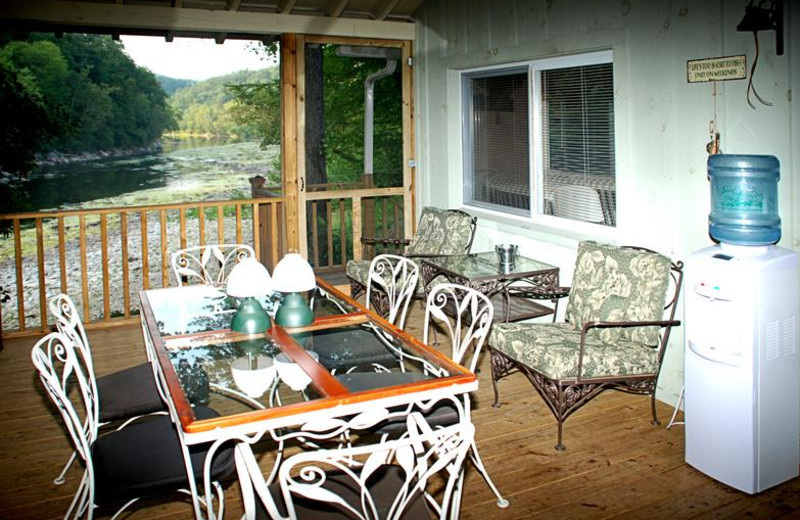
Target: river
[181,171]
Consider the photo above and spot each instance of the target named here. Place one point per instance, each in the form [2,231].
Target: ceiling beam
[286,6]
[335,8]
[117,18]
[384,8]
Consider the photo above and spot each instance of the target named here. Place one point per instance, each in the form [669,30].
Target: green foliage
[171,85]
[209,107]
[99,97]
[258,104]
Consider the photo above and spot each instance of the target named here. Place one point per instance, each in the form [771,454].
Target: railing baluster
[343,231]
[182,218]
[123,233]
[42,281]
[314,233]
[62,254]
[104,256]
[256,230]
[330,232]
[397,226]
[145,250]
[220,226]
[356,217]
[384,227]
[164,272]
[84,269]
[20,278]
[238,223]
[201,225]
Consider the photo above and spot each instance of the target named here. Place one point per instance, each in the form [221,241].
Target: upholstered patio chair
[208,264]
[439,232]
[141,459]
[619,315]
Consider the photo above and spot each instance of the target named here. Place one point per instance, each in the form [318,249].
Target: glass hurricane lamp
[248,280]
[292,276]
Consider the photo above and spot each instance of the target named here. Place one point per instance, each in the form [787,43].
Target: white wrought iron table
[192,349]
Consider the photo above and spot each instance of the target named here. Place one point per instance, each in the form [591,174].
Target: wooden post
[289,148]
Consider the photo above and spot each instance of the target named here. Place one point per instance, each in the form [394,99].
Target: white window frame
[536,155]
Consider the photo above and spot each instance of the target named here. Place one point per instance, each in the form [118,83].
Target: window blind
[578,142]
[500,140]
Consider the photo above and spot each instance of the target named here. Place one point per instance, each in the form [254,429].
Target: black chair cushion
[443,413]
[384,486]
[145,459]
[129,393]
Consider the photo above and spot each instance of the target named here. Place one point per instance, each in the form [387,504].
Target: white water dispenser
[742,396]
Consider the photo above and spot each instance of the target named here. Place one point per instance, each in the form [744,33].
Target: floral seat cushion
[610,284]
[552,350]
[441,232]
[613,283]
[358,270]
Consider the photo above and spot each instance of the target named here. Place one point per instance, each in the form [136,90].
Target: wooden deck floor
[616,464]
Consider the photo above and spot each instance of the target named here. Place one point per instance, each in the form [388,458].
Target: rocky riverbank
[52,158]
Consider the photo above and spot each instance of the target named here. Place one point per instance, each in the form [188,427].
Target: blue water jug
[744,199]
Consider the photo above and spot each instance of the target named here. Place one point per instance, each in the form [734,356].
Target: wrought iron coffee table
[513,289]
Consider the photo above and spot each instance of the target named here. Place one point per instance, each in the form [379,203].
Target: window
[539,138]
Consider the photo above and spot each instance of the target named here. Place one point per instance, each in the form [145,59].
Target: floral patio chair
[440,232]
[620,311]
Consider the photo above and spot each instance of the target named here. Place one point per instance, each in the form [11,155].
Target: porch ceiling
[219,19]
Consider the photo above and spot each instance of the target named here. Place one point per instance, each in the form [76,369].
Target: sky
[192,58]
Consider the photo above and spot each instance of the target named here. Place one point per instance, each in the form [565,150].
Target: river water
[182,171]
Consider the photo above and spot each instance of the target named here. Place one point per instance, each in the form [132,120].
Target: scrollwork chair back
[393,279]
[209,264]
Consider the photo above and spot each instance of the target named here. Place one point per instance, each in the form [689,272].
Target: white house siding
[661,120]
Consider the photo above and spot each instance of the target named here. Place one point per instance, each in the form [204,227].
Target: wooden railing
[338,219]
[103,257]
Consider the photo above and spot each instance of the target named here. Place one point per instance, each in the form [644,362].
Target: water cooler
[742,396]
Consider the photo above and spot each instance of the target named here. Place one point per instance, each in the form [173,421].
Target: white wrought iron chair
[381,480]
[209,264]
[466,316]
[139,460]
[392,281]
[122,395]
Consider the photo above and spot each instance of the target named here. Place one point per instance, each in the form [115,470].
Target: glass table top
[346,351]
[476,266]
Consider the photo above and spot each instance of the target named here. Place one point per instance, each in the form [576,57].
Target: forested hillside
[209,107]
[73,94]
[170,85]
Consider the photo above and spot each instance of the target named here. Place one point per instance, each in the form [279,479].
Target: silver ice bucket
[506,253]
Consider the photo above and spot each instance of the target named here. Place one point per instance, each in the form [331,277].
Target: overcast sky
[192,58]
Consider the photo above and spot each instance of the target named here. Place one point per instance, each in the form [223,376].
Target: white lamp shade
[249,278]
[293,274]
